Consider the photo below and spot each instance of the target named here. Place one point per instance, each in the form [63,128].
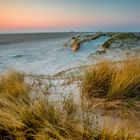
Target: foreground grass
[35,118]
[113,80]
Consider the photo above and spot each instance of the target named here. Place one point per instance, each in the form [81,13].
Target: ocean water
[43,53]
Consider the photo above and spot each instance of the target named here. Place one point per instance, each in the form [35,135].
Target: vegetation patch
[36,118]
[113,80]
[12,84]
[120,37]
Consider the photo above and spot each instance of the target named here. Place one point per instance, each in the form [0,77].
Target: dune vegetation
[120,37]
[112,80]
[27,117]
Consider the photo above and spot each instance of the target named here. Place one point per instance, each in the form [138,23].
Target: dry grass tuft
[12,84]
[122,134]
[113,80]
[97,80]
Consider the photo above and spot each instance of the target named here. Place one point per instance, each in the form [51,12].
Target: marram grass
[113,80]
[25,118]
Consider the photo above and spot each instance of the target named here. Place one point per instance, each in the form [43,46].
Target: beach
[43,53]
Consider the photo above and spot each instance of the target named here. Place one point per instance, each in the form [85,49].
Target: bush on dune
[113,80]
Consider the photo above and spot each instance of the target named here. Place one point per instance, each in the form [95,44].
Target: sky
[69,15]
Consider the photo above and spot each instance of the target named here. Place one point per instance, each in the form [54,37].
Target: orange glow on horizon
[51,15]
[25,18]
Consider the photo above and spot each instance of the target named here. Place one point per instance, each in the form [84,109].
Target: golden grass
[12,84]
[38,119]
[113,80]
[122,134]
[34,118]
[125,81]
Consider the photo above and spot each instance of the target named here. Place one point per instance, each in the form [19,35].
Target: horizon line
[36,32]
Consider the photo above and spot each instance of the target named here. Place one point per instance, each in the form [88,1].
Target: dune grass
[34,118]
[26,118]
[113,80]
[12,84]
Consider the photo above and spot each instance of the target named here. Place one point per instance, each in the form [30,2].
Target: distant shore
[26,37]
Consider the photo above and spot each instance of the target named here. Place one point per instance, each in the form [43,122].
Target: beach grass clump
[125,81]
[69,106]
[113,80]
[12,84]
[96,80]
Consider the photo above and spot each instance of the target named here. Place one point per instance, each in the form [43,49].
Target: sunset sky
[68,15]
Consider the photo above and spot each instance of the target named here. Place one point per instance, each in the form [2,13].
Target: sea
[43,53]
